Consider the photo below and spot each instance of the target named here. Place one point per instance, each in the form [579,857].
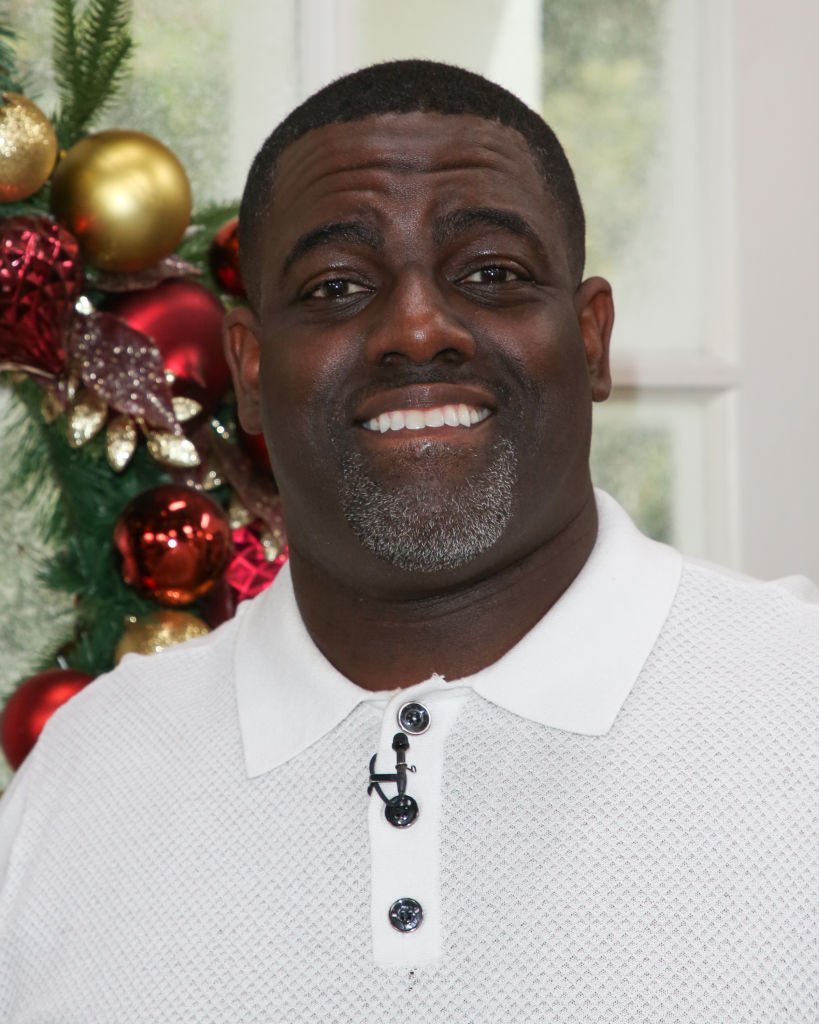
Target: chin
[430,525]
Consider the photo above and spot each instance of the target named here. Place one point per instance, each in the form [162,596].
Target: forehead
[392,162]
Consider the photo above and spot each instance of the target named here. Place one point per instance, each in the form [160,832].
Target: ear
[242,350]
[595,314]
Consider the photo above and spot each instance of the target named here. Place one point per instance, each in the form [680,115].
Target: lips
[425,407]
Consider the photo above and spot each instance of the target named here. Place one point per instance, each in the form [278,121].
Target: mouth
[428,408]
[461,415]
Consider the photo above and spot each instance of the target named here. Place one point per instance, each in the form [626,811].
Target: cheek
[547,356]
[296,388]
[301,367]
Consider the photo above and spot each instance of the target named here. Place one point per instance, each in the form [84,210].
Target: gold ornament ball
[28,147]
[125,197]
[157,631]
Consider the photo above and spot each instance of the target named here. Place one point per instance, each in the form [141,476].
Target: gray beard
[420,527]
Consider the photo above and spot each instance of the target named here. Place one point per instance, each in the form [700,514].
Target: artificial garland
[112,294]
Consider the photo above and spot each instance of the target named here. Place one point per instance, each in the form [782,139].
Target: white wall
[776,168]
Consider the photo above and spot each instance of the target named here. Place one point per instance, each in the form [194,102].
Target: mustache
[406,375]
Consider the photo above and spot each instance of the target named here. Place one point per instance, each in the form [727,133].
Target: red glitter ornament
[224,259]
[32,704]
[250,570]
[174,542]
[40,280]
[184,321]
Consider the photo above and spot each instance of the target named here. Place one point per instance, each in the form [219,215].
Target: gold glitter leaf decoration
[120,442]
[238,515]
[86,418]
[173,450]
[273,542]
[51,407]
[185,408]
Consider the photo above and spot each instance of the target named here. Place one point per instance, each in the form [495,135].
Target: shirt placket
[405,830]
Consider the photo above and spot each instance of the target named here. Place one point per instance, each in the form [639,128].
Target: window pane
[621,87]
[649,453]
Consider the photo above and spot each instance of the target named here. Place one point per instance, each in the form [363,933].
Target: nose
[418,324]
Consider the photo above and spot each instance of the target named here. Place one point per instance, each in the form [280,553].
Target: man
[483,753]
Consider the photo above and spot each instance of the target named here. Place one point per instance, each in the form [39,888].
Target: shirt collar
[573,670]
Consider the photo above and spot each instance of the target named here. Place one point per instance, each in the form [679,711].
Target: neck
[385,643]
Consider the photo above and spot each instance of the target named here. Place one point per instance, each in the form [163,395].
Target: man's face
[423,365]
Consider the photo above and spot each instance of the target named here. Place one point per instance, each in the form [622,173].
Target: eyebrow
[354,231]
[457,222]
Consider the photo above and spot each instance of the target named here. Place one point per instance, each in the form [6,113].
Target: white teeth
[416,419]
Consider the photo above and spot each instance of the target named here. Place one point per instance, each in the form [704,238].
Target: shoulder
[758,634]
[737,600]
[165,684]
[153,707]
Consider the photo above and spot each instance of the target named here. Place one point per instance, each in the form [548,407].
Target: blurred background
[691,128]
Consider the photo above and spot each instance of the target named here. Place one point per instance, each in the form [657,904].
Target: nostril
[443,355]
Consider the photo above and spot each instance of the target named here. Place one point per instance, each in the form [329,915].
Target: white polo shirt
[617,821]
[552,677]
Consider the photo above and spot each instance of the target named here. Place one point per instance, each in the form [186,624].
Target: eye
[494,273]
[334,288]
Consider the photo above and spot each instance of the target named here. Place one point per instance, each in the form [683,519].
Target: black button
[413,718]
[401,811]
[406,914]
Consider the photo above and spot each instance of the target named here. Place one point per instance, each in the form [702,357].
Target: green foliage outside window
[602,94]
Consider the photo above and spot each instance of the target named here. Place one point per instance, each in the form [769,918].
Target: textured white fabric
[665,871]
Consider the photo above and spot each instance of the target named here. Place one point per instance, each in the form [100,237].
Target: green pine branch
[102,24]
[10,78]
[91,55]
[67,69]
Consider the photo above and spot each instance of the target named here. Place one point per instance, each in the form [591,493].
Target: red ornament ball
[32,704]
[40,280]
[224,259]
[184,320]
[175,543]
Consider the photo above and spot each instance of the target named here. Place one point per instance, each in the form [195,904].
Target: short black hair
[402,87]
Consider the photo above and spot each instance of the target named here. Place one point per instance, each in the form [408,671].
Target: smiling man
[482,752]
[422,356]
